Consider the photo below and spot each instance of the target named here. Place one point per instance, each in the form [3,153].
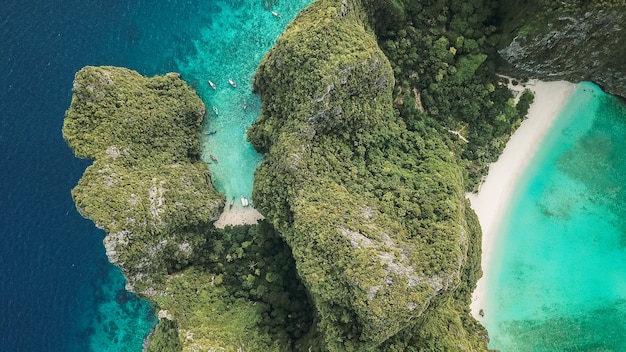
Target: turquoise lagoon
[559,276]
[231,47]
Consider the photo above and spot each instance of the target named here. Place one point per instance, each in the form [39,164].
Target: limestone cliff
[574,41]
[375,214]
[147,188]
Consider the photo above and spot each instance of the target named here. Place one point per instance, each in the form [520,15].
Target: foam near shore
[495,193]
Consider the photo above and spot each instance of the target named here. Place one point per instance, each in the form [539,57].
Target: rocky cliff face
[586,43]
[375,214]
[147,188]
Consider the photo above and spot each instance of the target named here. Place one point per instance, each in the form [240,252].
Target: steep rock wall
[584,42]
[147,188]
[375,215]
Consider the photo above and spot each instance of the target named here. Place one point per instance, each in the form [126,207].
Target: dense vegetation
[577,5]
[165,337]
[243,293]
[443,60]
[370,201]
[147,187]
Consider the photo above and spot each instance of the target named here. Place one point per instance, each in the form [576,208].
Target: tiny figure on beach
[276,14]
[215,110]
[481,313]
[211,132]
[212,84]
[232,83]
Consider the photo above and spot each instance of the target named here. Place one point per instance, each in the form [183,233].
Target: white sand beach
[238,216]
[495,193]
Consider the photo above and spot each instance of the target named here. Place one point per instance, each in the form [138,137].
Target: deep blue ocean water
[559,277]
[57,290]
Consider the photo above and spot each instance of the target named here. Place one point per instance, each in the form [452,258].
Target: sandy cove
[238,216]
[495,193]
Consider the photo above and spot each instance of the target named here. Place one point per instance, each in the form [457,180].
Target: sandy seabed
[494,196]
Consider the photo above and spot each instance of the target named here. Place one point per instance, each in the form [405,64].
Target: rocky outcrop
[375,214]
[147,188]
[583,44]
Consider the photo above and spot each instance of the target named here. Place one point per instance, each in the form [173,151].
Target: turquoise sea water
[58,292]
[559,277]
[231,47]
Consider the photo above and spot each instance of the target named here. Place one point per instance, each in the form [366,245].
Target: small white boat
[232,83]
[276,14]
[212,84]
[244,201]
[215,110]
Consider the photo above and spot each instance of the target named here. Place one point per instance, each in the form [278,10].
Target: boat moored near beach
[232,83]
[215,110]
[275,14]
[212,85]
[213,158]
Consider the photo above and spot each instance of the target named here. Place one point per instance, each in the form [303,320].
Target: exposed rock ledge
[147,188]
[587,46]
